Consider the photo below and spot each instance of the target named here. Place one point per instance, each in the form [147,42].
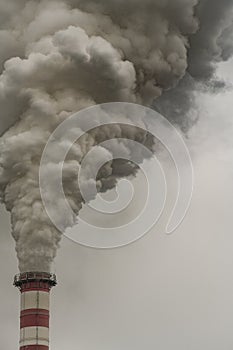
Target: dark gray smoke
[58,57]
[211,44]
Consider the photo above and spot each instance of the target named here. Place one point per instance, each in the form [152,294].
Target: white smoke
[58,57]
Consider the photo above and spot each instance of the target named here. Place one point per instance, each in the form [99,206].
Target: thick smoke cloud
[58,57]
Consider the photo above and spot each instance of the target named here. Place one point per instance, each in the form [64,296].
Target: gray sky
[162,292]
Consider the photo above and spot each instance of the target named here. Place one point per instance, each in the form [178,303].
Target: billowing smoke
[58,57]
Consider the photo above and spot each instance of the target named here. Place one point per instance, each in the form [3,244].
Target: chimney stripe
[30,299]
[34,319]
[31,343]
[32,311]
[31,332]
[34,347]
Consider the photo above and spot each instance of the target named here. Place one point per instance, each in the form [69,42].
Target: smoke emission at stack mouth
[22,279]
[59,57]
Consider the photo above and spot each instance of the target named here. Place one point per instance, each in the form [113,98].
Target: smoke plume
[58,57]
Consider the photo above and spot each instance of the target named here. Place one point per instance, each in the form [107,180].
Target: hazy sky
[162,292]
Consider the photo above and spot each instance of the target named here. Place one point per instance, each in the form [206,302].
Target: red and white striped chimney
[34,315]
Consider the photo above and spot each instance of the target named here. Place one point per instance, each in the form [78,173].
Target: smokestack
[34,312]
